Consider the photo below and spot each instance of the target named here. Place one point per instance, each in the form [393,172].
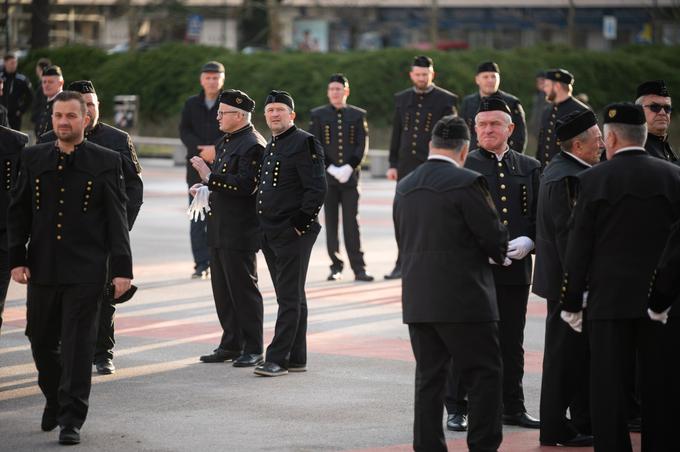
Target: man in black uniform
[488,79]
[52,83]
[4,114]
[18,92]
[624,213]
[656,103]
[558,87]
[39,101]
[416,111]
[199,132]
[513,182]
[11,145]
[116,140]
[291,193]
[447,228]
[342,131]
[233,231]
[69,207]
[564,381]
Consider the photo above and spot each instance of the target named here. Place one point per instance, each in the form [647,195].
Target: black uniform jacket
[660,148]
[70,209]
[232,220]
[292,182]
[513,183]
[623,216]
[415,114]
[11,145]
[198,126]
[343,134]
[44,116]
[447,228]
[468,111]
[117,140]
[17,93]
[666,278]
[548,144]
[556,198]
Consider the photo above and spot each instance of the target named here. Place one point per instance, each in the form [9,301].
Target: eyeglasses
[221,113]
[656,108]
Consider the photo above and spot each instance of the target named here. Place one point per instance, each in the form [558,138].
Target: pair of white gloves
[518,248]
[341,173]
[200,205]
[575,319]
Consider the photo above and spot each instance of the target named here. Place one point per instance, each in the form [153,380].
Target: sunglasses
[656,108]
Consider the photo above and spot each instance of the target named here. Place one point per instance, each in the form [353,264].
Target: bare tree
[40,23]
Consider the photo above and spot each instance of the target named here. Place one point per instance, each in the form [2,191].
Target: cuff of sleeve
[354,161]
[302,221]
[659,301]
[121,267]
[17,257]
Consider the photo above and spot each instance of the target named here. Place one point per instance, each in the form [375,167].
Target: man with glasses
[655,99]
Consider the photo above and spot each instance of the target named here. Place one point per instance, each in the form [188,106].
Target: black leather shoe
[363,276]
[69,435]
[522,419]
[292,367]
[577,441]
[268,369]
[105,367]
[336,275]
[456,422]
[49,418]
[203,273]
[248,360]
[635,425]
[394,274]
[220,356]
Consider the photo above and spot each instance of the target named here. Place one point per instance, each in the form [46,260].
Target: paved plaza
[357,394]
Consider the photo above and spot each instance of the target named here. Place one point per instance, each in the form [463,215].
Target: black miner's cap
[422,61]
[237,99]
[52,70]
[488,66]
[559,75]
[451,127]
[82,87]
[280,96]
[624,113]
[657,87]
[493,103]
[213,66]
[574,123]
[339,78]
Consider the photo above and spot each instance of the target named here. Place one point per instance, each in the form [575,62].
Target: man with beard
[656,103]
[116,140]
[52,83]
[69,208]
[416,111]
[17,95]
[488,79]
[558,88]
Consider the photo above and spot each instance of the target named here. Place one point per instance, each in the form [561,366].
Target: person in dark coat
[18,93]
[234,231]
[655,100]
[117,140]
[290,195]
[199,131]
[513,180]
[564,383]
[488,79]
[416,111]
[4,114]
[52,82]
[342,130]
[447,229]
[11,145]
[67,228]
[39,101]
[622,219]
[558,88]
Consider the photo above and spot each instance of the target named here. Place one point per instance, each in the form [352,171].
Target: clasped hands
[341,173]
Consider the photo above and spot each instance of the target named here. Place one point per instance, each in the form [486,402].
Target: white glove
[574,319]
[521,246]
[200,205]
[506,262]
[333,171]
[344,173]
[658,316]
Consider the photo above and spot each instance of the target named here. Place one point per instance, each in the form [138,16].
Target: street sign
[609,24]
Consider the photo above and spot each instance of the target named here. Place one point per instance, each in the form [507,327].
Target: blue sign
[194,27]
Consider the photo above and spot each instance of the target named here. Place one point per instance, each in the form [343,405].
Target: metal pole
[5,11]
[434,24]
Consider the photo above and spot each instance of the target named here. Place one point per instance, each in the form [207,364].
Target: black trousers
[612,348]
[287,256]
[4,281]
[61,325]
[347,197]
[198,232]
[512,308]
[105,331]
[238,300]
[565,379]
[475,350]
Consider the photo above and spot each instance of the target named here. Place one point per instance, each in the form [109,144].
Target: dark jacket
[4,116]
[117,140]
[11,145]
[513,184]
[623,216]
[470,106]
[344,136]
[447,228]
[292,182]
[17,94]
[37,106]
[666,278]
[415,114]
[70,210]
[44,118]
[198,127]
[548,144]
[232,220]
[660,148]
[556,199]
